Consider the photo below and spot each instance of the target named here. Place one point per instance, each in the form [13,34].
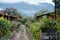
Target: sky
[33,2]
[36,3]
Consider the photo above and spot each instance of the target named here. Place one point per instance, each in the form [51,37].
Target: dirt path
[22,34]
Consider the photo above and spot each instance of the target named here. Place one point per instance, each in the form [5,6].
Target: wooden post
[55,11]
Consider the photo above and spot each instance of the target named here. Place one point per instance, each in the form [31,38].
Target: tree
[57,3]
[14,12]
[11,11]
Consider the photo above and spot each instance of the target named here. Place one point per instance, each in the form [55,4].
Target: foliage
[14,12]
[58,17]
[5,26]
[57,13]
[35,30]
[28,21]
[1,18]
[58,25]
[57,3]
[18,24]
[49,26]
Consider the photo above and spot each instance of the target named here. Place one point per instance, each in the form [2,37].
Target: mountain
[28,9]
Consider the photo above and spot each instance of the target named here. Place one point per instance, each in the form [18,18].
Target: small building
[13,19]
[48,15]
[8,17]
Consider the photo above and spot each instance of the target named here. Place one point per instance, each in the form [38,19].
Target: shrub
[49,26]
[35,30]
[58,30]
[5,26]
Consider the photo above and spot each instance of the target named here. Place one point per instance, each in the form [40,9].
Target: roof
[4,12]
[8,16]
[42,14]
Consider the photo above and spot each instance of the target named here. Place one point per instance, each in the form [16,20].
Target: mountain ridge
[28,9]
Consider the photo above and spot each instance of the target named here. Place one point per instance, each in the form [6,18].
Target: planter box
[49,36]
[3,38]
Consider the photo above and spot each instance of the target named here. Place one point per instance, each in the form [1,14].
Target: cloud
[1,9]
[36,2]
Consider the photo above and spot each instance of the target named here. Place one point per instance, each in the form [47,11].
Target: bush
[35,30]
[58,30]
[18,24]
[49,26]
[5,26]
